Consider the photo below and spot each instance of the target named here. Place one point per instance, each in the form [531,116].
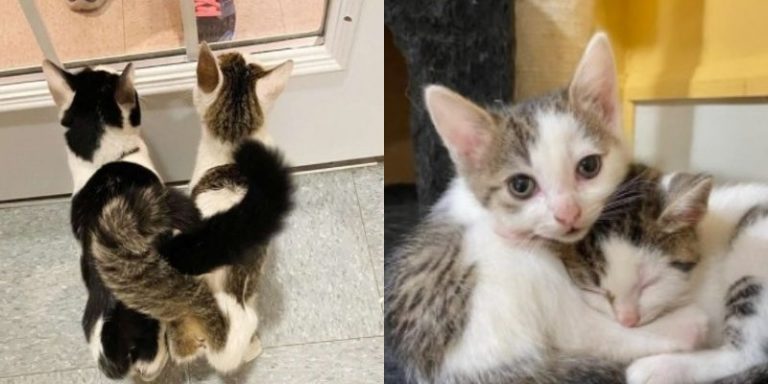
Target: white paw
[254,350]
[659,369]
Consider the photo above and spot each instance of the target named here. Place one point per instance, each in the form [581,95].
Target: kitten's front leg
[599,335]
[688,323]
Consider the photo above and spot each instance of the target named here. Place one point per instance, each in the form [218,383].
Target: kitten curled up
[636,266]
[479,292]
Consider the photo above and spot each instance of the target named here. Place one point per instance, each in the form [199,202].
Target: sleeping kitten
[244,191]
[101,114]
[715,259]
[478,295]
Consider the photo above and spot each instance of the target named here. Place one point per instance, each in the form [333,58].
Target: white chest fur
[515,295]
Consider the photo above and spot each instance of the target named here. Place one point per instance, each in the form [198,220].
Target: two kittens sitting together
[552,258]
[171,276]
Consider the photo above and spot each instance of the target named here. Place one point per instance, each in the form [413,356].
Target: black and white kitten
[101,114]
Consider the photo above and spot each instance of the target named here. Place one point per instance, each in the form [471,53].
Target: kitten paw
[254,350]
[659,369]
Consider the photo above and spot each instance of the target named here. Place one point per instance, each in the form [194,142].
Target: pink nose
[628,318]
[568,214]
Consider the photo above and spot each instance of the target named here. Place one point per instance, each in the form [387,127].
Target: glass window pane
[16,37]
[116,29]
[247,20]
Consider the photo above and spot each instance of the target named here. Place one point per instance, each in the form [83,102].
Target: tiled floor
[320,305]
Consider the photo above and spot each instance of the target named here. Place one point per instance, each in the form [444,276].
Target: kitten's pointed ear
[595,85]
[58,83]
[466,129]
[207,69]
[125,94]
[686,200]
[271,85]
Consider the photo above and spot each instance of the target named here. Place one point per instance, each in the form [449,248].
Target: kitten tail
[227,236]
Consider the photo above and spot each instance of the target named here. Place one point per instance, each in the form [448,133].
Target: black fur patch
[126,334]
[739,301]
[226,236]
[93,107]
[126,337]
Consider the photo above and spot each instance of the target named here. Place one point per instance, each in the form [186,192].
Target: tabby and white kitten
[712,258]
[477,294]
[244,191]
[101,114]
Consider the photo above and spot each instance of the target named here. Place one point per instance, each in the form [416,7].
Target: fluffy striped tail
[125,254]
[154,272]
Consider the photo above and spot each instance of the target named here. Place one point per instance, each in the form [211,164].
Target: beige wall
[550,37]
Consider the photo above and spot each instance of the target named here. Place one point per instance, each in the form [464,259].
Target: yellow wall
[680,49]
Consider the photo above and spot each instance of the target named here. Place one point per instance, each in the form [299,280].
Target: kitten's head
[542,168]
[647,247]
[92,102]
[233,95]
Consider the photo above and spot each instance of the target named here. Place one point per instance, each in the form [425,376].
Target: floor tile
[152,26]
[26,356]
[303,16]
[67,28]
[357,361]
[318,287]
[172,374]
[41,291]
[17,37]
[75,376]
[369,184]
[267,12]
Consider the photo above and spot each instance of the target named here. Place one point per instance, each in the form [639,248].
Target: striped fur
[134,233]
[477,294]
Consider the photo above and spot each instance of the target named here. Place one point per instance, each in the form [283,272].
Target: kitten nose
[567,214]
[628,318]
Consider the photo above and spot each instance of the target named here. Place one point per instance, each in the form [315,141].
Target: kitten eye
[521,186]
[589,166]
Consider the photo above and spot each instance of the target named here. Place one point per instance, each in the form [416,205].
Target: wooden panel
[398,148]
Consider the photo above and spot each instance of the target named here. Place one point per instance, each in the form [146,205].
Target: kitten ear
[595,85]
[58,83]
[686,200]
[125,94]
[207,69]
[271,85]
[464,127]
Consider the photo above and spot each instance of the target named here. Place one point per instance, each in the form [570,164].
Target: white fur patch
[95,341]
[210,153]
[243,322]
[218,200]
[150,370]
